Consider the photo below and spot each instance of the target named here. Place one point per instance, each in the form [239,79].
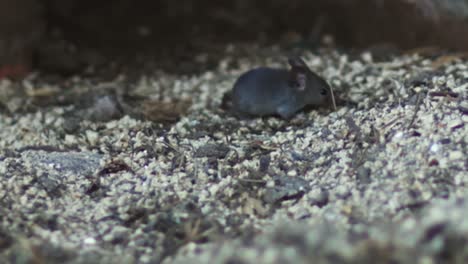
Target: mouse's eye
[323,91]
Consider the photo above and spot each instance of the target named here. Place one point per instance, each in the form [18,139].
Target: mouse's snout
[324,92]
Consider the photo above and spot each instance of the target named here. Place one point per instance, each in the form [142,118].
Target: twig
[444,94]
[253,180]
[416,110]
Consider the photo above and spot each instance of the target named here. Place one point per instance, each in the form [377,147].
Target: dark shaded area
[63,36]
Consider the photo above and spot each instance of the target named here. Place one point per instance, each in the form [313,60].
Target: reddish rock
[21,27]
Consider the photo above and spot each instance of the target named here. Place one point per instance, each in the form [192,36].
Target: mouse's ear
[297,79]
[297,62]
[298,73]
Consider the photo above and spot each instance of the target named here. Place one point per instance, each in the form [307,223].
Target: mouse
[268,91]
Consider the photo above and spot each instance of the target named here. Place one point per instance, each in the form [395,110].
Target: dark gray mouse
[267,91]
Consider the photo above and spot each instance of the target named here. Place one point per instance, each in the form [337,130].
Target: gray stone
[286,188]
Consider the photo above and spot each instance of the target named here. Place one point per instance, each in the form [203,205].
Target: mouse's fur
[268,91]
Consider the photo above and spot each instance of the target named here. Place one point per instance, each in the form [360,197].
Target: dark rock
[286,188]
[49,184]
[71,124]
[264,163]
[318,197]
[5,240]
[363,175]
[212,150]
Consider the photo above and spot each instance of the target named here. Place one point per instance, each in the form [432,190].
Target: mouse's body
[267,91]
[254,92]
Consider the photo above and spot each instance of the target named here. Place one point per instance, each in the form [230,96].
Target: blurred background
[64,36]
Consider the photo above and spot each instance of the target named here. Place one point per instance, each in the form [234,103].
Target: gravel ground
[150,169]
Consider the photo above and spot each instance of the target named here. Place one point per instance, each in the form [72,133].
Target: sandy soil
[149,169]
